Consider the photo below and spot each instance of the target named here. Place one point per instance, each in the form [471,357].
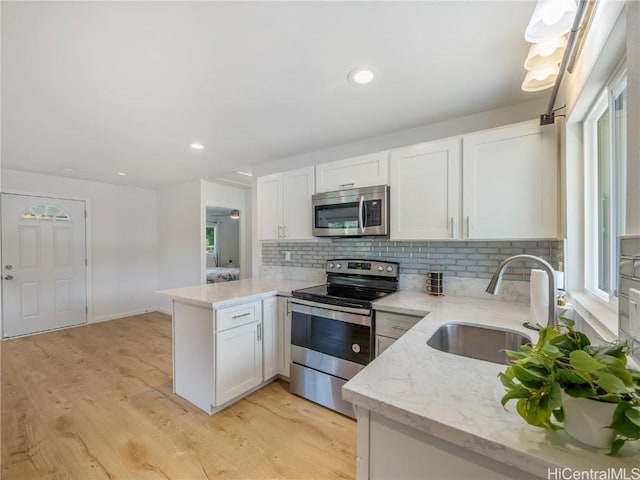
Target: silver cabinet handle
[246,314]
[467,226]
[285,233]
[9,277]
[259,332]
[347,185]
[280,231]
[451,226]
[396,327]
[361,214]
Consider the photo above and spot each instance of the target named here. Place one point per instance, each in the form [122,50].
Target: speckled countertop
[226,294]
[457,399]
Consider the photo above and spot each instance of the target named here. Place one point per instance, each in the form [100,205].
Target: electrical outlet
[634,313]
[287,256]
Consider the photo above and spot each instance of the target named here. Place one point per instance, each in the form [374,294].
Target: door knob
[9,277]
[8,267]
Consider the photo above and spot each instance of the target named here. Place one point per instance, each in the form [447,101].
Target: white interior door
[44,266]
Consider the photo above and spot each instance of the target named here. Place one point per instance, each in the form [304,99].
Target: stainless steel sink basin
[477,341]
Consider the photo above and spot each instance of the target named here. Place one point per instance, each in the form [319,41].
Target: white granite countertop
[226,294]
[457,399]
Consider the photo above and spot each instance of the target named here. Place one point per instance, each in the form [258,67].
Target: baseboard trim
[114,316]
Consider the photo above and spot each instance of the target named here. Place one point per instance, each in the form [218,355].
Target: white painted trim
[130,313]
[87,246]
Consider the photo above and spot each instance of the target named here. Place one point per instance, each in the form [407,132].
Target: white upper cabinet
[510,178]
[363,171]
[284,205]
[500,184]
[425,191]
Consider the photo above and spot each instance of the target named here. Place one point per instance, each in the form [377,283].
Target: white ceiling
[127,86]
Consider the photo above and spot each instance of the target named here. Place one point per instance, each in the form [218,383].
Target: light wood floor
[95,402]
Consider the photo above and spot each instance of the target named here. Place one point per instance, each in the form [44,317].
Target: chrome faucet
[496,281]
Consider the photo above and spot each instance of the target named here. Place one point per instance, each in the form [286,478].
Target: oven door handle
[361,215]
[357,316]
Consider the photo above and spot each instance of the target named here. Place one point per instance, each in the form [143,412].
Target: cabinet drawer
[231,317]
[394,325]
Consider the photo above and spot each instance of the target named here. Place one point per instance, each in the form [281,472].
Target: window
[45,211]
[605,135]
[210,238]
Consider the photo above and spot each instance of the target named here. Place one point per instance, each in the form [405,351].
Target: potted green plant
[564,367]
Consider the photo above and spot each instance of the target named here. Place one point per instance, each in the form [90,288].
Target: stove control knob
[380,268]
[389,268]
[331,265]
[338,265]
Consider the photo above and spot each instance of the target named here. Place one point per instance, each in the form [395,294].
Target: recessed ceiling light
[246,174]
[197,146]
[362,75]
[68,170]
[122,174]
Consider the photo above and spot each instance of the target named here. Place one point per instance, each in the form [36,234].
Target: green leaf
[555,396]
[506,380]
[610,383]
[566,377]
[518,392]
[581,360]
[616,445]
[551,351]
[558,414]
[581,391]
[529,377]
[621,425]
[633,415]
[563,319]
[532,413]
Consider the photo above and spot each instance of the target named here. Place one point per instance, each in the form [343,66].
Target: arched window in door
[46,211]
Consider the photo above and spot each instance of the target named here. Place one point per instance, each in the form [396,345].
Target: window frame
[604,102]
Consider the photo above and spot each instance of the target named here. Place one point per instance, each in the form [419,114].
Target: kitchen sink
[477,341]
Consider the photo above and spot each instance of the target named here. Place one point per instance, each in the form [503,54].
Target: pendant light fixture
[551,18]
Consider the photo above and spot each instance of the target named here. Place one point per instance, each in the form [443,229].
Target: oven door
[344,334]
[349,213]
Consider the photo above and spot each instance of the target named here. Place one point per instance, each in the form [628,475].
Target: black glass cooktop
[341,295]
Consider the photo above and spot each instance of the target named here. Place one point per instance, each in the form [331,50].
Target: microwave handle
[361,215]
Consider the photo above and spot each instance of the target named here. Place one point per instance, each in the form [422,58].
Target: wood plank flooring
[96,402]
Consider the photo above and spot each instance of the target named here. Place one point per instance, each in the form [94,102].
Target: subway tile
[630,246]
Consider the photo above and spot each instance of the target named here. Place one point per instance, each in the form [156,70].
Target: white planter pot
[586,419]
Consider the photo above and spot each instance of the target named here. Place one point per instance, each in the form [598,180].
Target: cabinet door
[284,336]
[382,343]
[296,197]
[363,171]
[270,337]
[510,178]
[269,192]
[425,191]
[238,361]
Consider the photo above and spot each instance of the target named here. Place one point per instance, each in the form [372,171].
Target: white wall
[181,217]
[122,240]
[425,133]
[633,118]
[227,196]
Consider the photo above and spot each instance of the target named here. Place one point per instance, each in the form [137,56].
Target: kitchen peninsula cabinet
[239,352]
[229,339]
[284,205]
[363,171]
[498,184]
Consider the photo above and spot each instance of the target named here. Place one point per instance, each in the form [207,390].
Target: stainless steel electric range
[332,328]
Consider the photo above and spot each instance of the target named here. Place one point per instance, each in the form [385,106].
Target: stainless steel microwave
[355,212]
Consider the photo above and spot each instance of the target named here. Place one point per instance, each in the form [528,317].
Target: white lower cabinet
[391,326]
[270,338]
[389,449]
[284,336]
[238,361]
